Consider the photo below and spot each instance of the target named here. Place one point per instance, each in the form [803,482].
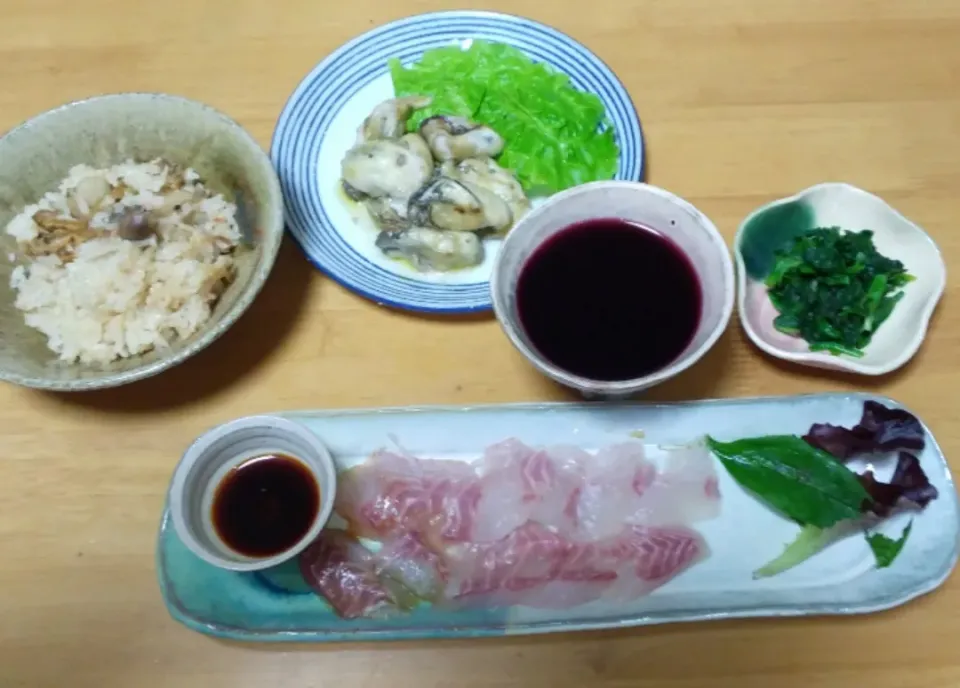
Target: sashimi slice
[408,560]
[521,484]
[685,491]
[342,571]
[391,495]
[505,572]
[537,567]
[613,482]
[647,558]
[451,517]
[622,568]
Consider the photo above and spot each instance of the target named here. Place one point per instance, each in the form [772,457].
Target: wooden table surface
[742,101]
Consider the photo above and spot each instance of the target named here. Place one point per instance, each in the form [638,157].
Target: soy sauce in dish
[265,505]
[608,300]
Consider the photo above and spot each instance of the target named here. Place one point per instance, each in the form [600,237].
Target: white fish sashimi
[408,560]
[505,572]
[685,491]
[649,557]
[342,571]
[520,484]
[537,567]
[392,494]
[611,489]
[551,527]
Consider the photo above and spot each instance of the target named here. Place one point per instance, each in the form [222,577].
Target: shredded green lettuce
[556,136]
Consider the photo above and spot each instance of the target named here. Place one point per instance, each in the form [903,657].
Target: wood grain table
[742,101]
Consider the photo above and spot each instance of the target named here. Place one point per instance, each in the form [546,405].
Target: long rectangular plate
[843,579]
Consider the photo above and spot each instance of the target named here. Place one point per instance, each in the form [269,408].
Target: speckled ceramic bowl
[101,131]
[644,204]
[835,204]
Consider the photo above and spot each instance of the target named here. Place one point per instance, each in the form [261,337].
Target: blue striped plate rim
[308,113]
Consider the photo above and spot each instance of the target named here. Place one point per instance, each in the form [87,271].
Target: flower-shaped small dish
[773,225]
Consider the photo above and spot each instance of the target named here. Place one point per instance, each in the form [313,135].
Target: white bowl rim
[815,358]
[618,387]
[327,466]
[198,343]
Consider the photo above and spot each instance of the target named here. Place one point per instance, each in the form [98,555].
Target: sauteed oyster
[457,138]
[432,249]
[383,168]
[435,193]
[389,119]
[446,203]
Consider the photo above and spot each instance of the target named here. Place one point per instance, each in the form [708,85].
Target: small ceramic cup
[634,202]
[214,454]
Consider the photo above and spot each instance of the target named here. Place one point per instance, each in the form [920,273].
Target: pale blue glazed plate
[319,122]
[840,580]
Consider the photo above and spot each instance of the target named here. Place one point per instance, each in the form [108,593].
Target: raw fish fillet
[507,571]
[552,528]
[391,495]
[536,567]
[520,484]
[621,486]
[614,479]
[685,491]
[408,560]
[344,572]
[648,557]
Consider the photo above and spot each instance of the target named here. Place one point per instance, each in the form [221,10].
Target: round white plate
[319,124]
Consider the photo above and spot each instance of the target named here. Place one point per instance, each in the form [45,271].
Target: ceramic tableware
[644,204]
[767,228]
[843,579]
[211,458]
[106,130]
[319,124]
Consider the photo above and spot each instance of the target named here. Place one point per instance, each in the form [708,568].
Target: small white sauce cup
[218,451]
[636,202]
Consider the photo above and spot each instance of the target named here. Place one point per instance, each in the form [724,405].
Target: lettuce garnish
[805,479]
[556,136]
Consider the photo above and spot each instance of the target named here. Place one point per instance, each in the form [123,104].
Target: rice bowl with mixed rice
[124,260]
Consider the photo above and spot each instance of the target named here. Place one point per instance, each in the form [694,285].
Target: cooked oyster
[432,249]
[457,138]
[486,173]
[388,120]
[382,168]
[415,144]
[387,213]
[352,193]
[446,203]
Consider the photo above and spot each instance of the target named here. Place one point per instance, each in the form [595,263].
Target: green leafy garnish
[802,482]
[834,289]
[886,549]
[808,486]
[556,136]
[808,542]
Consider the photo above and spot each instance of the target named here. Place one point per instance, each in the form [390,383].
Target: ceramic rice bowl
[37,155]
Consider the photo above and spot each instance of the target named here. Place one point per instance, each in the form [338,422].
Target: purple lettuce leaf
[909,483]
[881,429]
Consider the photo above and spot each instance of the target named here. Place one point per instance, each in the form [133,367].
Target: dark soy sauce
[265,505]
[609,300]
